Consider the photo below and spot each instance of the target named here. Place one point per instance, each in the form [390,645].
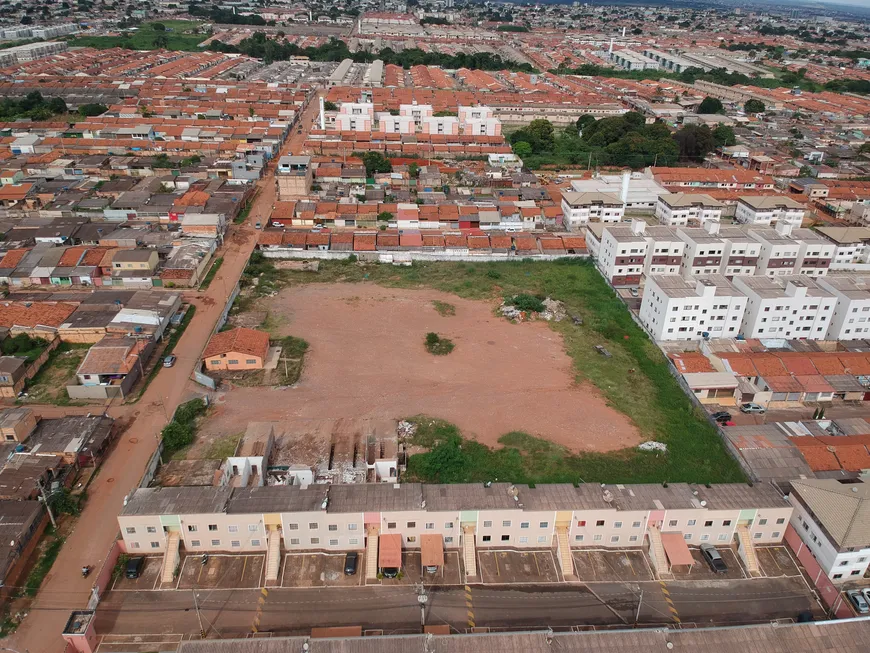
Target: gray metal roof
[177,501]
[375,497]
[473,496]
[277,498]
[843,509]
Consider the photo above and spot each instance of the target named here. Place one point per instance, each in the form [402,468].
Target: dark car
[134,567]
[713,558]
[350,562]
[390,572]
[721,416]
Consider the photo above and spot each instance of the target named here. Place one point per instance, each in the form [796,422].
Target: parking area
[222,572]
[776,561]
[599,565]
[148,576]
[320,570]
[517,567]
[701,570]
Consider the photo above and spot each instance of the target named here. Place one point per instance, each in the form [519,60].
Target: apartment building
[639,194]
[664,250]
[785,251]
[579,209]
[832,518]
[619,252]
[741,253]
[699,178]
[294,177]
[418,113]
[351,517]
[355,117]
[765,210]
[674,308]
[441,125]
[704,251]
[785,307]
[390,124]
[851,319]
[684,209]
[479,121]
[852,245]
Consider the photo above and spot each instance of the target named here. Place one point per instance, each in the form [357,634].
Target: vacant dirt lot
[367,361]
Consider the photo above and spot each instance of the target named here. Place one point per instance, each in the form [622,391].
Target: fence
[151,467]
[226,312]
[398,256]
[104,576]
[828,592]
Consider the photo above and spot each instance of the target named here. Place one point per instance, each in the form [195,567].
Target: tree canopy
[710,105]
[754,106]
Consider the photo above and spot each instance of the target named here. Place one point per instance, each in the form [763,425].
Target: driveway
[320,570]
[599,565]
[526,567]
[148,577]
[221,572]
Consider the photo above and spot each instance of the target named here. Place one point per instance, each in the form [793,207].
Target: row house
[727,179]
[336,518]
[691,309]
[765,210]
[682,209]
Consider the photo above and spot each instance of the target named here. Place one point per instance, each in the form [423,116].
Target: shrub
[528,303]
[177,435]
[437,345]
[189,411]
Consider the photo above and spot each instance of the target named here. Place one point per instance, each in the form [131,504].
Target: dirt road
[367,362]
[64,589]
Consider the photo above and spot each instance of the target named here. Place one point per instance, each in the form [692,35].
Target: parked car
[632,292]
[866,593]
[713,558]
[169,361]
[751,408]
[134,567]
[350,562]
[257,224]
[721,416]
[857,599]
[390,572]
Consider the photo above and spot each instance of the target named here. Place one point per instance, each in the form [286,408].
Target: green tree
[158,27]
[376,162]
[88,110]
[522,149]
[413,170]
[160,40]
[711,105]
[806,171]
[584,121]
[695,142]
[542,131]
[329,105]
[724,136]
[754,106]
[385,216]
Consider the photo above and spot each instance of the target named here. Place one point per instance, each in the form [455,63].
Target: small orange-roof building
[237,349]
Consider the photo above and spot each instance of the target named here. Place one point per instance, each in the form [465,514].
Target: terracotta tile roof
[691,362]
[13,192]
[31,314]
[768,365]
[112,355]
[818,458]
[270,238]
[314,239]
[13,258]
[799,365]
[71,257]
[193,198]
[856,364]
[814,383]
[176,273]
[93,256]
[827,364]
[364,242]
[853,457]
[240,340]
[783,384]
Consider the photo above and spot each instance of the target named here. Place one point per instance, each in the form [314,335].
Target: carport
[431,551]
[390,551]
[677,551]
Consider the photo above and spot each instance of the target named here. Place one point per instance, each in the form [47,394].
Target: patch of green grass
[246,211]
[444,309]
[438,346]
[293,347]
[223,448]
[209,277]
[634,381]
[49,384]
[43,566]
[144,38]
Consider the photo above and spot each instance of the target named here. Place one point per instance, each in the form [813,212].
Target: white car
[751,408]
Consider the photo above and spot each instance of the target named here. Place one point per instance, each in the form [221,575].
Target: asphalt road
[395,609]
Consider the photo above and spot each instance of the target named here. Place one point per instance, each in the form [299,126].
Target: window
[705,537]
[708,524]
[542,539]
[524,540]
[155,545]
[487,538]
[597,538]
[353,541]
[134,545]
[544,524]
[233,362]
[412,524]
[672,523]
[391,525]
[487,524]
[581,524]
[600,522]
[294,540]
[232,529]
[691,522]
[578,538]
[854,572]
[723,537]
[150,529]
[780,521]
[757,536]
[635,524]
[632,538]
[687,536]
[251,361]
[505,538]
[235,544]
[842,563]
[130,530]
[614,539]
[448,525]
[315,540]
[726,522]
[255,542]
[215,542]
[333,542]
[836,576]
[332,527]
[617,524]
[252,528]
[524,524]
[194,543]
[191,528]
[312,526]
[292,527]
[351,527]
[506,524]
[448,540]
[412,538]
[430,526]
[775,534]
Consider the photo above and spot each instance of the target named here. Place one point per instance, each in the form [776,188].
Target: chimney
[784,228]
[711,227]
[322,114]
[626,180]
[638,227]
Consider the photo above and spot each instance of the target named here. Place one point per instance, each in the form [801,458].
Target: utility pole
[422,599]
[639,603]
[198,615]
[41,487]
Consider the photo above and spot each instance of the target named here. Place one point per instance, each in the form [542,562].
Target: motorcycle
[85,571]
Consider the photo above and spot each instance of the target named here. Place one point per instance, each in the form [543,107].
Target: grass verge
[246,211]
[43,565]
[635,380]
[209,277]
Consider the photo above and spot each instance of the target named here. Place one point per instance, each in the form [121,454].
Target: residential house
[236,349]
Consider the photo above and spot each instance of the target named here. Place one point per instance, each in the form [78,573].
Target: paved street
[64,589]
[791,414]
[392,609]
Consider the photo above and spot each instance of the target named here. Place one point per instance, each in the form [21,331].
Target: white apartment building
[390,124]
[478,121]
[786,251]
[619,252]
[417,112]
[851,319]
[638,193]
[852,245]
[682,209]
[579,209]
[704,250]
[664,251]
[691,309]
[355,117]
[741,254]
[764,210]
[785,307]
[832,518]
